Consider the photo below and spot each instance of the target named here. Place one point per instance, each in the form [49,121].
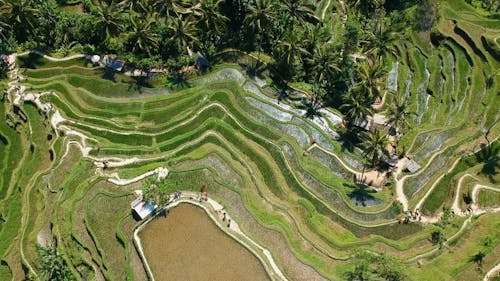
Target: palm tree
[366,7]
[372,78]
[260,17]
[109,18]
[291,48]
[183,31]
[142,35]
[397,113]
[315,35]
[380,39]
[374,146]
[211,21]
[19,15]
[300,10]
[138,6]
[323,64]
[166,8]
[356,108]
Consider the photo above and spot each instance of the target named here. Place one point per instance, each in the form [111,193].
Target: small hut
[200,61]
[141,208]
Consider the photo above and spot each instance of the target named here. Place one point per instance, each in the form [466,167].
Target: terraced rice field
[286,179]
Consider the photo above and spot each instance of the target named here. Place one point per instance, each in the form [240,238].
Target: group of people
[224,219]
[411,216]
[203,196]
[467,212]
[177,195]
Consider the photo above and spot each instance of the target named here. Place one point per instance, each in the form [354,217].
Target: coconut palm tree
[142,36]
[291,47]
[259,19]
[183,31]
[166,8]
[109,18]
[315,35]
[211,21]
[371,78]
[374,146]
[380,39]
[489,156]
[356,108]
[397,113]
[138,6]
[301,11]
[366,7]
[323,64]
[478,258]
[20,15]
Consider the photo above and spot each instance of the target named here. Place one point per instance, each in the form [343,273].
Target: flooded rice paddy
[187,245]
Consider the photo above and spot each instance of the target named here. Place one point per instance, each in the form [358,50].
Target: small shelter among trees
[140,207]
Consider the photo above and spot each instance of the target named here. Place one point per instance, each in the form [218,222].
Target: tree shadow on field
[361,194]
[349,138]
[109,74]
[489,155]
[254,68]
[32,61]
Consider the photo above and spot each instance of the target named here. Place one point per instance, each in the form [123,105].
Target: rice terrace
[250,140]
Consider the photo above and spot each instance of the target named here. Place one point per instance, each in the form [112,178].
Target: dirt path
[114,178]
[380,105]
[475,194]
[75,56]
[455,206]
[324,10]
[492,272]
[400,182]
[436,182]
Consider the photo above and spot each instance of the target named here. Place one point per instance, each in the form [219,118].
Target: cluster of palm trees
[154,33]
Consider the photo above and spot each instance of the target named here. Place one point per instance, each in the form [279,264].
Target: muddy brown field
[187,245]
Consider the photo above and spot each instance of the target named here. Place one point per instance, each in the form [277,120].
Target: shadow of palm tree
[349,138]
[489,155]
[283,94]
[478,258]
[109,74]
[135,87]
[254,68]
[312,108]
[32,60]
[361,194]
[178,80]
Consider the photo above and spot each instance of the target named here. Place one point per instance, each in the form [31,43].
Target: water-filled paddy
[187,245]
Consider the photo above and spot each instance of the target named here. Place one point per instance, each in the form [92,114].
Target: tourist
[224,216]
[228,222]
